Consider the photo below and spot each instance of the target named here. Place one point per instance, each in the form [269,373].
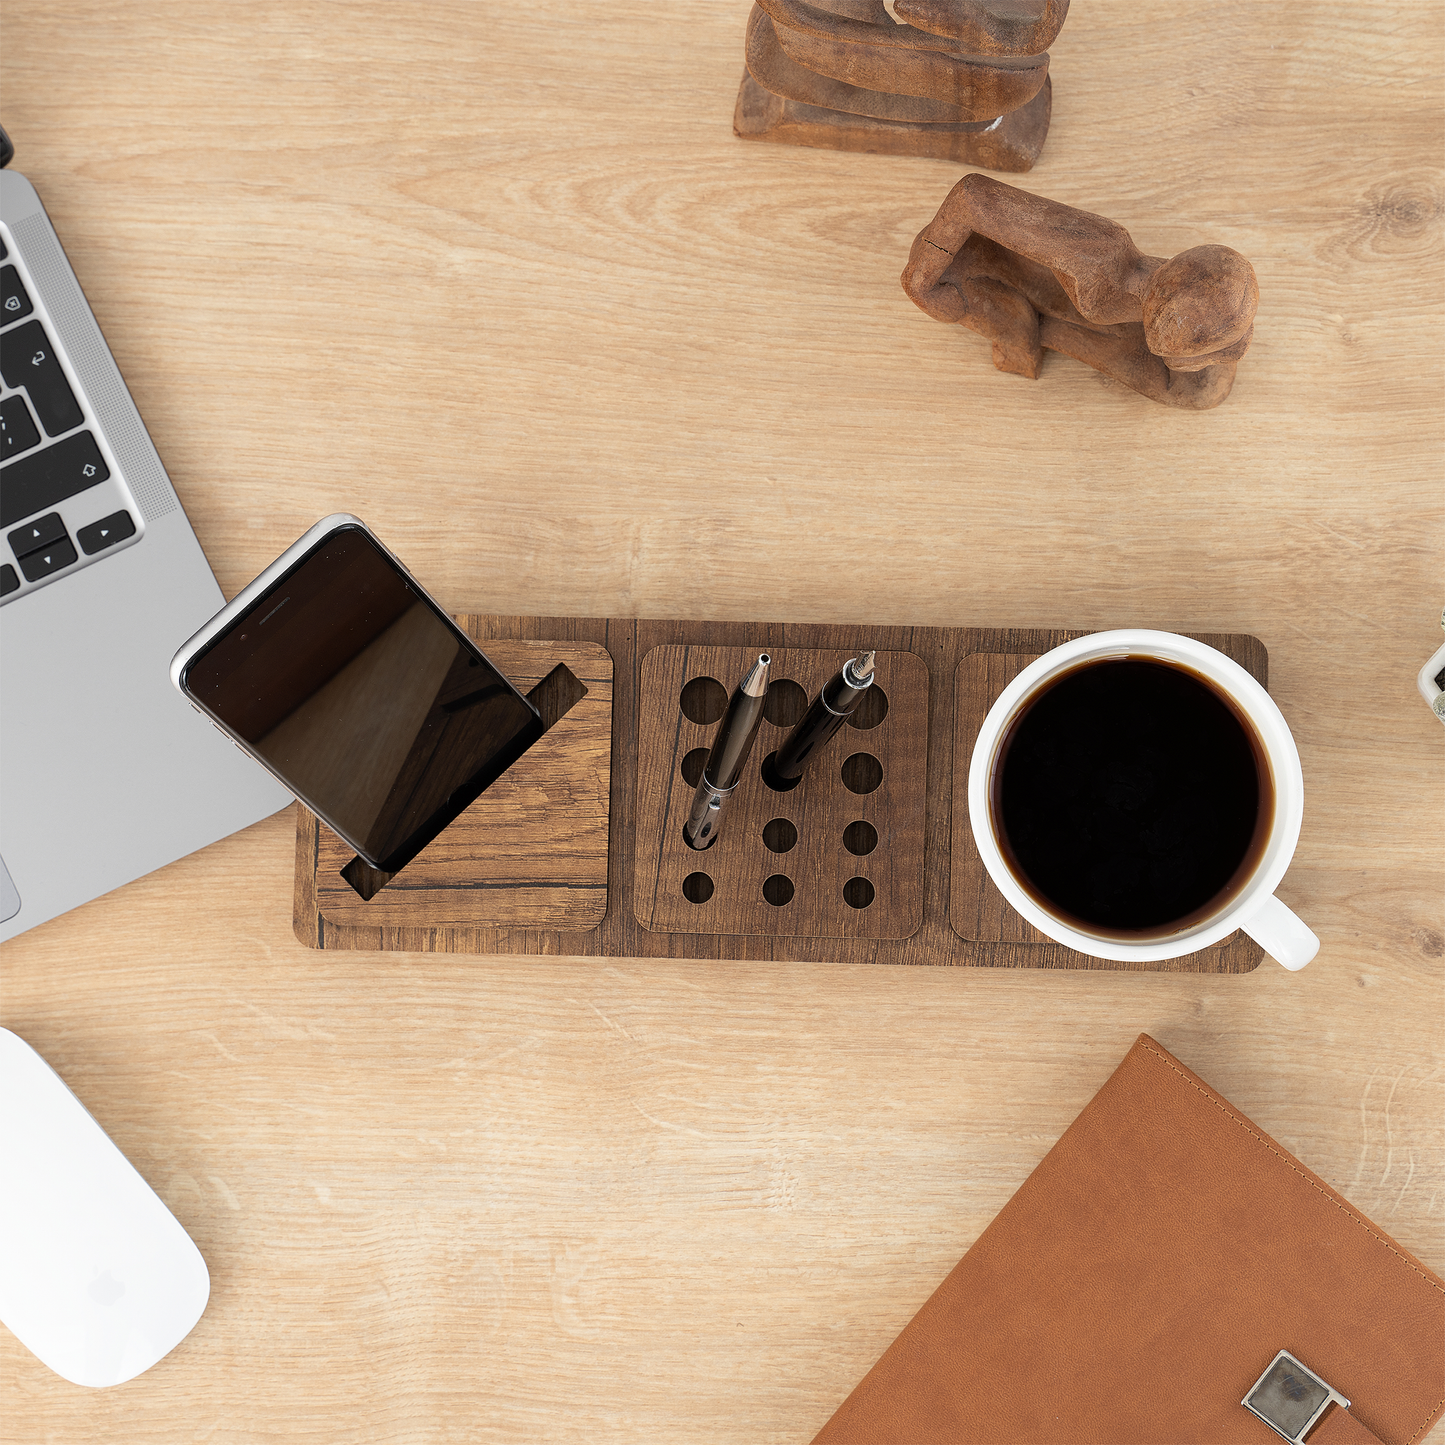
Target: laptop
[105,771]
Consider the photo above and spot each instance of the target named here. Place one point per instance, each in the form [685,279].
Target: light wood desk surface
[502,282]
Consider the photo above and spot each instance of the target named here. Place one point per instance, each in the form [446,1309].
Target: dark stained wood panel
[976,908]
[818,866]
[533,848]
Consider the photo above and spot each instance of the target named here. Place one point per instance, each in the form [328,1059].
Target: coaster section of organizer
[977,911]
[838,856]
[532,850]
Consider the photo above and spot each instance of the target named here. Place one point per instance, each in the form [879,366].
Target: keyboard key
[14,303]
[28,359]
[49,476]
[8,580]
[105,533]
[39,533]
[47,560]
[17,431]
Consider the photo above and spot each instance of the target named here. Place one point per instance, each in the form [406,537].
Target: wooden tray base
[482,899]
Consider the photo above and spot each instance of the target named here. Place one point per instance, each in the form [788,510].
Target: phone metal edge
[209,631]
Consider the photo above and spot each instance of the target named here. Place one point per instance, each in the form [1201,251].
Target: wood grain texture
[868,80]
[532,849]
[508,287]
[976,908]
[818,866]
[847,75]
[796,117]
[971,27]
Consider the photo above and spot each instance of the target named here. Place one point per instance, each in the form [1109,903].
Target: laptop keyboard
[48,452]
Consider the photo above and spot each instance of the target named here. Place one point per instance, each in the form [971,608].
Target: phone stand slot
[554,697]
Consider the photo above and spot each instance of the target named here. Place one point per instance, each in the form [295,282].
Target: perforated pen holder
[837,855]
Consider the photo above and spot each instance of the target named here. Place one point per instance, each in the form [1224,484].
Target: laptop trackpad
[9,898]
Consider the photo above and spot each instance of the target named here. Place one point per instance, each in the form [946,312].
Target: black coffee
[1130,797]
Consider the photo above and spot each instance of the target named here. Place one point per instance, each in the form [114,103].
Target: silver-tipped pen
[832,707]
[723,770]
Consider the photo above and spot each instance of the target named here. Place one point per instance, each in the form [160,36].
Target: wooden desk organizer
[578,850]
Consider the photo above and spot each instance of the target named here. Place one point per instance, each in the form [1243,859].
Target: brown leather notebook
[1142,1282]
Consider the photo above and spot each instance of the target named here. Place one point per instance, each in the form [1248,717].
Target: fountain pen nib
[861,667]
[755,684]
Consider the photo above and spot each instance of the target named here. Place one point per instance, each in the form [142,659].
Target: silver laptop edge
[106,773]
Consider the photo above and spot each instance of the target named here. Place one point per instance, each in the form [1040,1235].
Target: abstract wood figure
[1030,274]
[964,80]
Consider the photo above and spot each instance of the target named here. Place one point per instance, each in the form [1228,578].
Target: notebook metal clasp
[1290,1398]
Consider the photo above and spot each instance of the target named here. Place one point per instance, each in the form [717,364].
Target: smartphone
[337,673]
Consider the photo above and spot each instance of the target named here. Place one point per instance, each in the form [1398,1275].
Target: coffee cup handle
[1284,935]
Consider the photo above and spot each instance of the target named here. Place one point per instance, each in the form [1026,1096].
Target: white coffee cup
[1252,906]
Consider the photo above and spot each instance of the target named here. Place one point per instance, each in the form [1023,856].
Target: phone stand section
[533,848]
[838,856]
[554,697]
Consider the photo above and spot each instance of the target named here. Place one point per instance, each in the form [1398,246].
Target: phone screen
[376,710]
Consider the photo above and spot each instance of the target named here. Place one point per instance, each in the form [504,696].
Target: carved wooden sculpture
[965,80]
[1030,274]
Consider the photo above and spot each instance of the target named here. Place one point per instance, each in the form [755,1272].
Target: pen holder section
[838,855]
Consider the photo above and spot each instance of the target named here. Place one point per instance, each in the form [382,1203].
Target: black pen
[840,695]
[723,770]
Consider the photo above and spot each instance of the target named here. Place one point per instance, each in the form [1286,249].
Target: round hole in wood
[871,710]
[785,703]
[704,700]
[862,773]
[706,844]
[692,766]
[779,836]
[697,887]
[860,838]
[770,777]
[857,893]
[778,890]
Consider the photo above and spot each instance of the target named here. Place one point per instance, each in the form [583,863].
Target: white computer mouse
[97,1279]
